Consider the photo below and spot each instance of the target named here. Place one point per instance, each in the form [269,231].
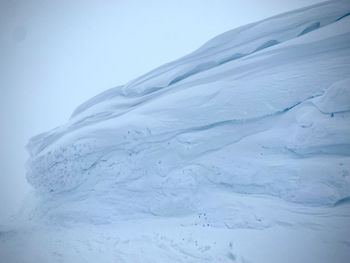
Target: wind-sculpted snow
[262,109]
[237,152]
[236,44]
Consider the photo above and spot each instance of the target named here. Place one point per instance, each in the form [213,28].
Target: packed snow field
[237,152]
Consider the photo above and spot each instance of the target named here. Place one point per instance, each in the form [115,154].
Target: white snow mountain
[237,152]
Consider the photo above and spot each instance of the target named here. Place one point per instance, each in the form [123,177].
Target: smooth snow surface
[238,152]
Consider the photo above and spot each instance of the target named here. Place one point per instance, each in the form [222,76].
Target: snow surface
[237,152]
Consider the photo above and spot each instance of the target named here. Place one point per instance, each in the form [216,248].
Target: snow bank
[262,109]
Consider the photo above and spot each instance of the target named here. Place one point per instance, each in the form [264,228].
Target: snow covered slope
[260,109]
[250,131]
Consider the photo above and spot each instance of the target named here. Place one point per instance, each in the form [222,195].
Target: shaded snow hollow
[237,152]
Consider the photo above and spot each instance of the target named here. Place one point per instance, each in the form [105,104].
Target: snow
[336,98]
[237,152]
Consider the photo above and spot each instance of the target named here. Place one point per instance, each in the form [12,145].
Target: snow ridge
[262,109]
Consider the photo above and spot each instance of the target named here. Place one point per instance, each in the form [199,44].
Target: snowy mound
[262,109]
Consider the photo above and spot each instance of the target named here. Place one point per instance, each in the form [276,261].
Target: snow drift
[262,109]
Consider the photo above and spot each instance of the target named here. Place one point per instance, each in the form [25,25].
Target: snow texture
[247,136]
[261,109]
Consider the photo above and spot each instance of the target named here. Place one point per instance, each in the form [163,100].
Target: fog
[56,54]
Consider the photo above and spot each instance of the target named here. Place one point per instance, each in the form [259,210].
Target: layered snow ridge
[262,109]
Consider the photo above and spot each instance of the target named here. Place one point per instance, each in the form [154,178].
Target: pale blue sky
[56,54]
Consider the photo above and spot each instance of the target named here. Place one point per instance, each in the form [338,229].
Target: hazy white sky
[56,54]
